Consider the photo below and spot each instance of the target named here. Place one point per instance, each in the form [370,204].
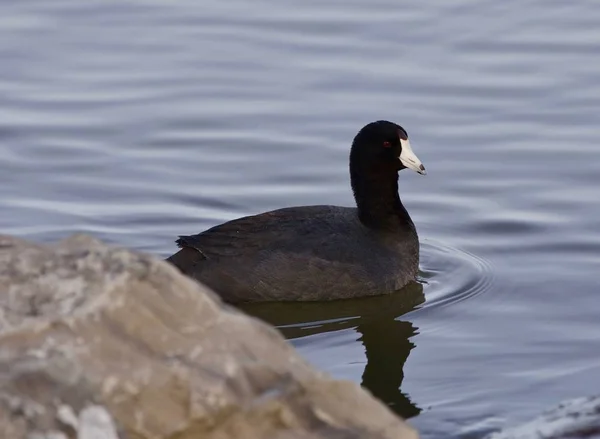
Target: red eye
[386,144]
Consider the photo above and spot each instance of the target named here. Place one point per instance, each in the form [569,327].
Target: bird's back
[299,253]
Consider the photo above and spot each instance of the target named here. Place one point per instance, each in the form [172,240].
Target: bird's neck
[378,202]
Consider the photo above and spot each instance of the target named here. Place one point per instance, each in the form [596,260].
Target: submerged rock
[101,342]
[577,418]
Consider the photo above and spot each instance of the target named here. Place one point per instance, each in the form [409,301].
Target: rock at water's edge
[102,342]
[577,418]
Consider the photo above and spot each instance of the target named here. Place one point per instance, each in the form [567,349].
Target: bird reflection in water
[385,338]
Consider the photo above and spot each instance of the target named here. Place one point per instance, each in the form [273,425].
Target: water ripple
[451,275]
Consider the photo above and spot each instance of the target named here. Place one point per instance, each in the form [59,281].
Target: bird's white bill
[409,159]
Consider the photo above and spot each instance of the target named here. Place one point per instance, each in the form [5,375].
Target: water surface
[139,120]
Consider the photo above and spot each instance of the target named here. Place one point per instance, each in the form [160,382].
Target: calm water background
[137,121]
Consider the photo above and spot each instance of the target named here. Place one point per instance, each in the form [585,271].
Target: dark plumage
[318,252]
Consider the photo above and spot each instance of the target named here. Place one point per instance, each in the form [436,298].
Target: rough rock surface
[99,342]
[577,418]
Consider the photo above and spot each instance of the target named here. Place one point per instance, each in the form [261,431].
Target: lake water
[138,120]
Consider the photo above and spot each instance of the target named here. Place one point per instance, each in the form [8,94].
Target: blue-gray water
[138,120]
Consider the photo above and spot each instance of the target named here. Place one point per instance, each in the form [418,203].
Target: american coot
[319,252]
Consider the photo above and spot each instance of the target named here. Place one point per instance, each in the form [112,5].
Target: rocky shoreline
[100,342]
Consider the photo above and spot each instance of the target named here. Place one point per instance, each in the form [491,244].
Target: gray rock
[577,418]
[99,342]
